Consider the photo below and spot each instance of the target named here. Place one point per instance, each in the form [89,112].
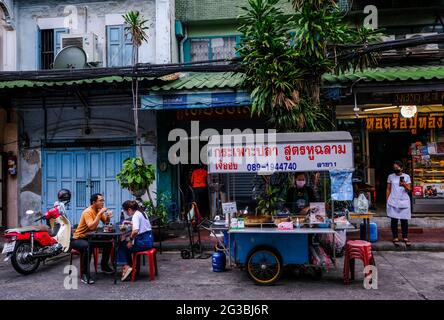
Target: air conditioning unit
[89,42]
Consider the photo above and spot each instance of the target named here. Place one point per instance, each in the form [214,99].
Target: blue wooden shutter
[120,47]
[58,39]
[80,195]
[114,46]
[38,49]
[127,48]
[124,193]
[50,185]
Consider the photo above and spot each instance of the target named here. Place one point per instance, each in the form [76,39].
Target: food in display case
[418,191]
[428,175]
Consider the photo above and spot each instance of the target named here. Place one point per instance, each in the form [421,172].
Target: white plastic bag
[362,203]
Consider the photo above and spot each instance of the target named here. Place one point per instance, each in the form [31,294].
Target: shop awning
[36,83]
[280,152]
[405,73]
[198,90]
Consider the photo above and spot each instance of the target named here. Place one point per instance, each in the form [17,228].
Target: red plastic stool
[152,263]
[75,252]
[356,249]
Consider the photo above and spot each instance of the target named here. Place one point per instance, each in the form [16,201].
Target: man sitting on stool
[89,222]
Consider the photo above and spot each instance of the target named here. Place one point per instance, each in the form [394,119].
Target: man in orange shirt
[199,183]
[89,221]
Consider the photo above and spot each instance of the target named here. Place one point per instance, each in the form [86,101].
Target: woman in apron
[399,185]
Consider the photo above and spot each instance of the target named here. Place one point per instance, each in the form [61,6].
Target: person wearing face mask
[398,202]
[299,196]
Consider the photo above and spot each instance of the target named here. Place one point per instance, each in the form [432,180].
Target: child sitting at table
[141,238]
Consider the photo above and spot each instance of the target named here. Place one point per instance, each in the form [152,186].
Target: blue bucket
[373,232]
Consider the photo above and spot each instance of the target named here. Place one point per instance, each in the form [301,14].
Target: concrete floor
[402,275]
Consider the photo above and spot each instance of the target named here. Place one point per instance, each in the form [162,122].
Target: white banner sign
[285,157]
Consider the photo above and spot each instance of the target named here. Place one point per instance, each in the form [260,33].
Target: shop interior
[385,148]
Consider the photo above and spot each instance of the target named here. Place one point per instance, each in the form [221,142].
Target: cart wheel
[185,254]
[264,265]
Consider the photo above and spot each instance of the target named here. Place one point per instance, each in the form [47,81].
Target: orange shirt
[88,216]
[199,178]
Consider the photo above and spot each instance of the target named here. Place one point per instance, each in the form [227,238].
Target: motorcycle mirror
[30,212]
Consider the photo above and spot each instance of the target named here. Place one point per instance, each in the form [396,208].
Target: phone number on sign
[285,166]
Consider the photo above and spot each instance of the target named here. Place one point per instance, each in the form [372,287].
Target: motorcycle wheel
[21,261]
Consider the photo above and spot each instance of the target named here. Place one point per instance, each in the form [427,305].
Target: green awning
[203,81]
[37,83]
[408,73]
[232,81]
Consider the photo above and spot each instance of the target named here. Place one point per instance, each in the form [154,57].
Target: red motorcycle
[28,246]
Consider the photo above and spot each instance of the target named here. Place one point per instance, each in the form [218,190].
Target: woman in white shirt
[399,185]
[141,238]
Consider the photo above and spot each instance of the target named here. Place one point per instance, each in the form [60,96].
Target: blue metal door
[84,172]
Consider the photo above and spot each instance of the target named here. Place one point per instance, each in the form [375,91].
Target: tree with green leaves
[136,30]
[135,174]
[285,54]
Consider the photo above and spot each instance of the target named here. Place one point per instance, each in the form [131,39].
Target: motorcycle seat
[28,229]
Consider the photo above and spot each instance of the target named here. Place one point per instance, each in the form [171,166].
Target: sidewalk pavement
[423,239]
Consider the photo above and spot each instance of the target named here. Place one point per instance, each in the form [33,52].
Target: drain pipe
[86,19]
[182,42]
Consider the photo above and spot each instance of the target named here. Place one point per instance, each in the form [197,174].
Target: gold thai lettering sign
[212,113]
[395,122]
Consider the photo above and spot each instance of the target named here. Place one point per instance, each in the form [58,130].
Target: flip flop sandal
[407,243]
[126,274]
[396,242]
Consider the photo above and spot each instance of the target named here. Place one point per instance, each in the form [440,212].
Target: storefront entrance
[385,148]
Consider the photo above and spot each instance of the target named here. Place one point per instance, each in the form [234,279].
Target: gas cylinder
[219,261]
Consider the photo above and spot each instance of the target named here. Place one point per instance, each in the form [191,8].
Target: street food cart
[264,249]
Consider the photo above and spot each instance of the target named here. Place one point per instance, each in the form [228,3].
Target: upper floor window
[119,47]
[211,48]
[49,44]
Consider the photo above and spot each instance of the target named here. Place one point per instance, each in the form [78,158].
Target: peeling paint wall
[50,14]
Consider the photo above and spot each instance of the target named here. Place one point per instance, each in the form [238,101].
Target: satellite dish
[70,57]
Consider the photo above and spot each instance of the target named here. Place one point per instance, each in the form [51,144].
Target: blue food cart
[264,250]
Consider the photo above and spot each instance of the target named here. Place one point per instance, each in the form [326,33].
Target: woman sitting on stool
[141,238]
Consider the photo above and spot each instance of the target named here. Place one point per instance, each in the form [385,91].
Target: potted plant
[160,210]
[267,203]
[136,176]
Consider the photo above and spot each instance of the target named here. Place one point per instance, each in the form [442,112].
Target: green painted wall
[211,12]
[206,10]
